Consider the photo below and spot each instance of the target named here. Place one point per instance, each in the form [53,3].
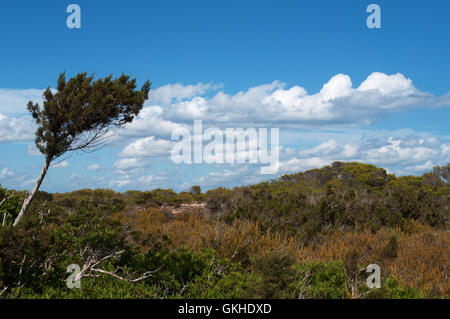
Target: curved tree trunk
[30,197]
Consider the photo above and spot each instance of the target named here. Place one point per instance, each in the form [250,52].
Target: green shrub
[319,280]
[275,272]
[392,289]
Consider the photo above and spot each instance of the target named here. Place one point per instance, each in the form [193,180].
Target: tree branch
[92,262]
[3,291]
[4,200]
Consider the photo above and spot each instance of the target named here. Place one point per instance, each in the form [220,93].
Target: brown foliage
[421,258]
[422,254]
[239,240]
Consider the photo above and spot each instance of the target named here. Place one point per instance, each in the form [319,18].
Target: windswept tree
[80,115]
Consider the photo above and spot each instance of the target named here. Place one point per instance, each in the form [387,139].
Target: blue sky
[386,101]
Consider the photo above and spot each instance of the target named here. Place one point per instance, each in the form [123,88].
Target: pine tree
[80,116]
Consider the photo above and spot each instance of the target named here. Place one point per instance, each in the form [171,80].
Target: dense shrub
[345,195]
[275,270]
[319,280]
[392,289]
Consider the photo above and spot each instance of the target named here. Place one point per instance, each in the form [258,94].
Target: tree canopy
[82,111]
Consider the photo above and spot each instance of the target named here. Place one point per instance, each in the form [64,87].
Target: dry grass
[422,256]
[421,260]
[198,233]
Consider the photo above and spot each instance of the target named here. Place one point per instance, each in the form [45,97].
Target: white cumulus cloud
[14,101]
[148,147]
[16,129]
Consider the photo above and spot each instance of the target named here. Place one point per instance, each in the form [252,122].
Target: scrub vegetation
[306,235]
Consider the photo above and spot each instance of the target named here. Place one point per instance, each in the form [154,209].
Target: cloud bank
[143,145]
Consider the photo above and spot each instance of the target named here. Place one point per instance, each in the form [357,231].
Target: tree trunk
[30,197]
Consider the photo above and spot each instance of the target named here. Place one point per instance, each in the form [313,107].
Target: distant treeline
[343,195]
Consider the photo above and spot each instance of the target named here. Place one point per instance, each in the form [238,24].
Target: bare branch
[93,260]
[6,198]
[5,215]
[3,291]
[146,275]
[108,273]
[184,287]
[42,215]
[21,269]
